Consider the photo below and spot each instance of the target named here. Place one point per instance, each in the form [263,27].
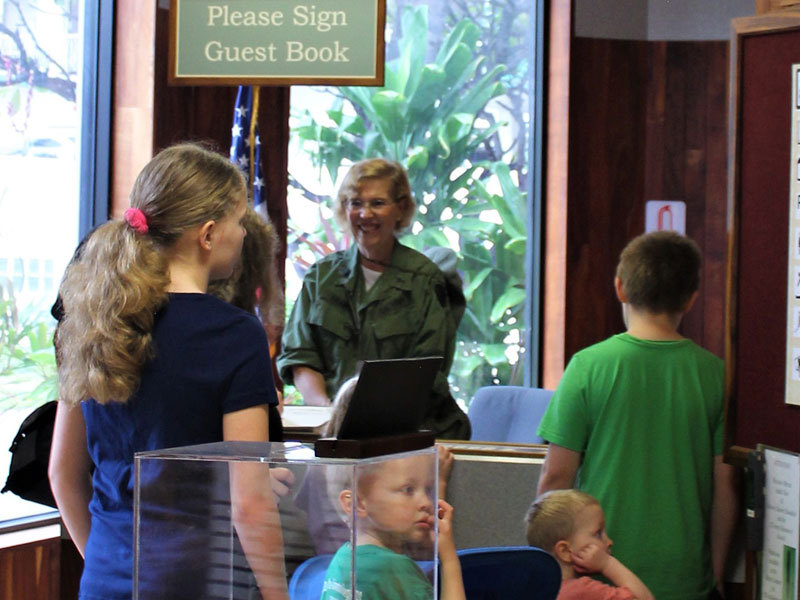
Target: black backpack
[30,455]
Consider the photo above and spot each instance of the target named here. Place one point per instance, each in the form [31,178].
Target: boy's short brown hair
[551,517]
[660,271]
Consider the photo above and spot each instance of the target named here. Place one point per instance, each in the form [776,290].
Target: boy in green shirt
[637,422]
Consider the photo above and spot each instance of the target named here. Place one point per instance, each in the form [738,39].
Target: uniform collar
[399,274]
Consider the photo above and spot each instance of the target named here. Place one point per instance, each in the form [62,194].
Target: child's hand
[452,583]
[592,558]
[281,479]
[445,457]
[445,517]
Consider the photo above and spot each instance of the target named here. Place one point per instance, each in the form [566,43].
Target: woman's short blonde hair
[376,168]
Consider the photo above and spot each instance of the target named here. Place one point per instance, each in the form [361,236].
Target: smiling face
[395,504]
[373,216]
[590,528]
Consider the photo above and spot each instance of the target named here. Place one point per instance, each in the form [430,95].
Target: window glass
[456,111]
[41,59]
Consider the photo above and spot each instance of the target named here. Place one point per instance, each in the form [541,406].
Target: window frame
[97,108]
[532,376]
[95,161]
[532,339]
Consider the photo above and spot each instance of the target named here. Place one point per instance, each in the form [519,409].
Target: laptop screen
[391,397]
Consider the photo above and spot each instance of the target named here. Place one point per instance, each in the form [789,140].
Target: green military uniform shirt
[409,312]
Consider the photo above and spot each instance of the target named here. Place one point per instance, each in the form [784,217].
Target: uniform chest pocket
[396,324]
[396,314]
[333,319]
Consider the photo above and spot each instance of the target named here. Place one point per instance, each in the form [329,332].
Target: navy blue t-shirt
[211,359]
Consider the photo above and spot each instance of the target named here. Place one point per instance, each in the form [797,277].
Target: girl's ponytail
[113,289]
[110,295]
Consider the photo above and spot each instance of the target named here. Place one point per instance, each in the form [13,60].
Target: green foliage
[431,118]
[27,357]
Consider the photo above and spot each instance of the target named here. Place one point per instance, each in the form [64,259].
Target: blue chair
[307,580]
[510,572]
[506,413]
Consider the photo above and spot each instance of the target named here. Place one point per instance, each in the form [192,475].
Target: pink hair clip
[137,220]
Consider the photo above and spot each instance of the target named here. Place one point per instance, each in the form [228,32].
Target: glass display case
[263,520]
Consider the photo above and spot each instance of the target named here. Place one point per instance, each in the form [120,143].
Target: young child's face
[590,528]
[396,503]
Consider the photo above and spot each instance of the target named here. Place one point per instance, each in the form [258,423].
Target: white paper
[305,417]
[781,526]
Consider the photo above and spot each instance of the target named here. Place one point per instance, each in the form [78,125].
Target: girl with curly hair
[148,360]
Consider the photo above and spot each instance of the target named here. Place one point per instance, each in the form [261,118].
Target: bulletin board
[763,152]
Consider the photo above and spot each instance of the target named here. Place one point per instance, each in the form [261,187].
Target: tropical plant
[27,358]
[431,118]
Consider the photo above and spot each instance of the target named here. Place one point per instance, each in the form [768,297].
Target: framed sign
[276,42]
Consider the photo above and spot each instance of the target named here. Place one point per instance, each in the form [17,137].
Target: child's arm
[724,515]
[452,582]
[593,558]
[559,469]
[70,472]
[254,511]
[311,385]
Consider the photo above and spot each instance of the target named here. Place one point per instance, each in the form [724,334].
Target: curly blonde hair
[254,285]
[376,168]
[113,289]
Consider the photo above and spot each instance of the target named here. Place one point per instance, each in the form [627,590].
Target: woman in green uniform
[376,300]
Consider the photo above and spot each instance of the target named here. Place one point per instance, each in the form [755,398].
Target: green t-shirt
[648,418]
[381,574]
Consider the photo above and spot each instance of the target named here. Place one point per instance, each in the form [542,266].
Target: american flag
[246,144]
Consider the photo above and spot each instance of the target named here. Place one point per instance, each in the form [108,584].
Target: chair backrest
[307,580]
[503,573]
[507,413]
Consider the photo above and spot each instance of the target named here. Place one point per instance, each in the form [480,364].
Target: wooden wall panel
[715,236]
[70,569]
[30,571]
[686,160]
[606,151]
[132,131]
[647,122]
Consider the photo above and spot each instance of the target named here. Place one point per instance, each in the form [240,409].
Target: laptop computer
[390,398]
